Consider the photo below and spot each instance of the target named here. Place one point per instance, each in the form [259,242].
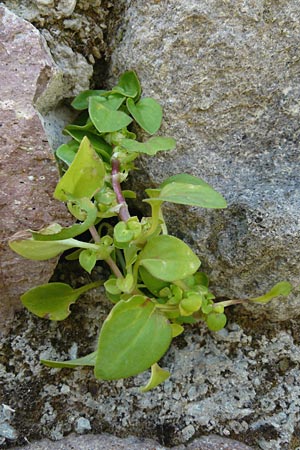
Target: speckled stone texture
[28,172]
[108,442]
[227,74]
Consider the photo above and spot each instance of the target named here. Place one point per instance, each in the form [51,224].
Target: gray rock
[109,442]
[28,172]
[227,77]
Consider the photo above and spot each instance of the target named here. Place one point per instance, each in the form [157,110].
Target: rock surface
[108,442]
[28,171]
[228,76]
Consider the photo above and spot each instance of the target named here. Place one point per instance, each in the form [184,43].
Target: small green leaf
[190,194]
[168,258]
[215,321]
[128,85]
[158,376]
[88,360]
[176,329]
[52,301]
[153,284]
[67,152]
[280,289]
[84,177]
[111,286]
[105,119]
[147,113]
[133,337]
[126,284]
[87,260]
[41,250]
[53,234]
[150,147]
[184,178]
[82,100]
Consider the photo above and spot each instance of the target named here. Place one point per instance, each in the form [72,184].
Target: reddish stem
[115,176]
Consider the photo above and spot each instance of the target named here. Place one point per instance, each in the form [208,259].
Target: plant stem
[229,303]
[94,233]
[115,177]
[114,268]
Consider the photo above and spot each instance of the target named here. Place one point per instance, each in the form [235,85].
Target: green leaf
[41,250]
[53,300]
[87,260]
[168,258]
[283,288]
[176,329]
[67,152]
[150,147]
[51,233]
[99,145]
[158,376]
[88,360]
[190,194]
[105,119]
[184,178]
[152,284]
[82,100]
[133,337]
[128,85]
[215,321]
[147,113]
[84,177]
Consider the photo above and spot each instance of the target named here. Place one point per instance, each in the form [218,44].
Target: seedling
[155,284]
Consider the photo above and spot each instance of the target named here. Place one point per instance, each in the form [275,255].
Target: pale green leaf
[216,321]
[105,119]
[81,101]
[158,376]
[133,337]
[84,177]
[168,258]
[147,113]
[67,152]
[88,360]
[87,260]
[128,85]
[53,300]
[280,289]
[150,147]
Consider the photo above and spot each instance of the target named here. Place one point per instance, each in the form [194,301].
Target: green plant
[155,284]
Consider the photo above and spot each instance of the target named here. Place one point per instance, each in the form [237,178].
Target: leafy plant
[155,284]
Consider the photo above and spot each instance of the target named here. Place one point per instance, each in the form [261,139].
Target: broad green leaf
[105,119]
[114,101]
[147,113]
[168,258]
[88,360]
[84,177]
[153,284]
[41,250]
[53,300]
[51,234]
[215,321]
[72,128]
[128,85]
[283,288]
[67,152]
[158,376]
[184,178]
[100,146]
[150,147]
[82,100]
[87,260]
[133,337]
[190,194]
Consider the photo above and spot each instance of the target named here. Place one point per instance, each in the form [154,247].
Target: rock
[109,442]
[227,77]
[28,171]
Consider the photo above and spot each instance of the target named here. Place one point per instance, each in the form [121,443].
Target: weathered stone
[227,74]
[109,442]
[28,171]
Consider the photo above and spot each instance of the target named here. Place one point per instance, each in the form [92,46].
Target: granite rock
[28,171]
[227,75]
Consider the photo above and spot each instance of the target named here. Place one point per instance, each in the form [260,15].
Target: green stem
[114,268]
[94,233]
[89,286]
[230,302]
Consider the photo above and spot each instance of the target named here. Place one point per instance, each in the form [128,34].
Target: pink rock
[28,172]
